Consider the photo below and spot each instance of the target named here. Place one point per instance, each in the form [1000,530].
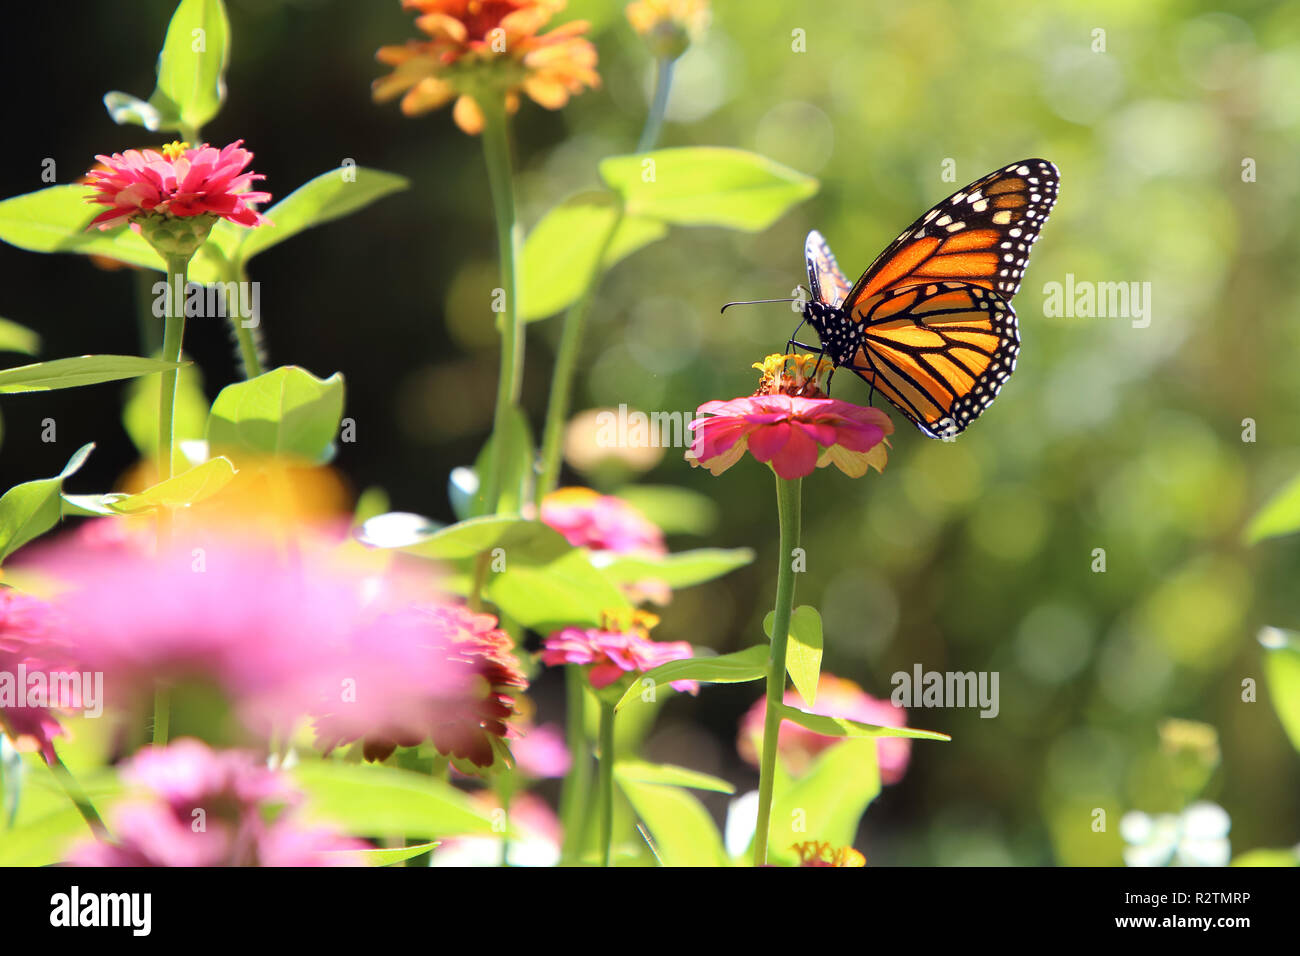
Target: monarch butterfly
[930,324]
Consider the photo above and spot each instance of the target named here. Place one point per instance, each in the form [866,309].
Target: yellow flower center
[175,150]
[628,620]
[793,374]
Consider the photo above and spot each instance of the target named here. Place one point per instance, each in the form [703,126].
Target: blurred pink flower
[541,751]
[792,433]
[28,648]
[836,697]
[435,672]
[588,519]
[613,651]
[608,526]
[200,807]
[233,613]
[536,842]
[181,181]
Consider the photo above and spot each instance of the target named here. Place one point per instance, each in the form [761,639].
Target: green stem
[248,338]
[173,335]
[566,364]
[787,502]
[496,153]
[654,120]
[69,785]
[577,782]
[606,781]
[162,714]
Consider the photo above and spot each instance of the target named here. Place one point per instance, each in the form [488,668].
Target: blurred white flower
[1196,837]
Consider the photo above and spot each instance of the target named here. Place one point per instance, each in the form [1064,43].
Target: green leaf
[666,774]
[1267,857]
[330,195]
[674,510]
[34,507]
[561,252]
[828,801]
[521,540]
[707,186]
[683,831]
[1282,670]
[803,655]
[92,506]
[369,800]
[82,370]
[286,412]
[17,338]
[383,856]
[128,110]
[55,220]
[43,841]
[140,412]
[738,668]
[842,727]
[1280,514]
[516,466]
[187,488]
[681,570]
[192,64]
[566,591]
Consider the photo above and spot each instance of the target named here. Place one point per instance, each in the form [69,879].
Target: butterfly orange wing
[940,336]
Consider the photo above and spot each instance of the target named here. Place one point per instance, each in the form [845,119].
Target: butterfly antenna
[758,302]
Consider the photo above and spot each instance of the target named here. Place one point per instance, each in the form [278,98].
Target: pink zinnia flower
[275,637]
[433,672]
[588,519]
[200,807]
[180,181]
[612,651]
[26,646]
[836,697]
[790,425]
[792,433]
[608,526]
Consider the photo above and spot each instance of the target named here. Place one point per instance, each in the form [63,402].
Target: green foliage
[140,412]
[546,596]
[562,251]
[17,338]
[1279,516]
[681,570]
[738,668]
[841,727]
[55,219]
[339,192]
[34,507]
[668,775]
[81,370]
[675,510]
[191,73]
[516,466]
[284,413]
[803,656]
[706,186]
[827,801]
[369,800]
[1282,668]
[683,832]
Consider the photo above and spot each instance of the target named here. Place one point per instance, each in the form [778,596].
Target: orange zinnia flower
[480,48]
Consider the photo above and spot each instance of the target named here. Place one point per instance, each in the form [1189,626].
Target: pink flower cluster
[836,697]
[201,807]
[611,654]
[180,181]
